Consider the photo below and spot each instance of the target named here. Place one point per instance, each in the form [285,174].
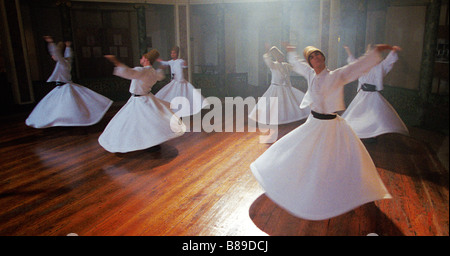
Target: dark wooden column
[361,28]
[428,54]
[66,29]
[20,79]
[141,28]
[66,24]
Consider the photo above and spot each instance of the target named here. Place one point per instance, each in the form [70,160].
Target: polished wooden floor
[59,180]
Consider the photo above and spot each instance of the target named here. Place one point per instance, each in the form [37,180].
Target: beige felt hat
[309,50]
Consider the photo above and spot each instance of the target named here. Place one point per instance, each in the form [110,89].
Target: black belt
[137,95]
[369,88]
[60,83]
[322,116]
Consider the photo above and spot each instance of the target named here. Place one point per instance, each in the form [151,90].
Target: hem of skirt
[314,217]
[72,124]
[113,149]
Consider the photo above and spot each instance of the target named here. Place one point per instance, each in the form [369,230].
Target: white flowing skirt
[142,122]
[69,105]
[370,114]
[195,100]
[289,100]
[319,170]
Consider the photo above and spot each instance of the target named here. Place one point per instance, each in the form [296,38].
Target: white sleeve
[388,62]
[57,54]
[68,52]
[127,72]
[350,59]
[299,66]
[54,52]
[268,60]
[165,63]
[160,74]
[359,67]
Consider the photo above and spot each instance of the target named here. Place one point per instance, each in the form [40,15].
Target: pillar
[221,45]
[141,29]
[324,25]
[18,68]
[428,54]
[182,35]
[64,9]
[429,50]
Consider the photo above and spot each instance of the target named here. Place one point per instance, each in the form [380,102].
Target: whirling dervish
[288,98]
[321,169]
[180,87]
[144,121]
[370,114]
[68,104]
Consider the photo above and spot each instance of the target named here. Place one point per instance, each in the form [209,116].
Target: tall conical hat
[176,49]
[276,53]
[308,51]
[152,55]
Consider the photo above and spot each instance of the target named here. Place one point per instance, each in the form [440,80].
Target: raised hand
[48,39]
[383,47]
[396,48]
[113,59]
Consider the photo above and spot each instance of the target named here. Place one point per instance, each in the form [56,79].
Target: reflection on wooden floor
[57,181]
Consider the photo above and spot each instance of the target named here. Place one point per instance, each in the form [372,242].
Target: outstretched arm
[268,57]
[362,65]
[51,47]
[68,51]
[350,57]
[163,62]
[388,62]
[113,59]
[299,65]
[48,39]
[56,52]
[123,70]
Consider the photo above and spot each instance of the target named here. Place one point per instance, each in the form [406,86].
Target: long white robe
[370,114]
[321,169]
[179,87]
[289,98]
[70,104]
[144,121]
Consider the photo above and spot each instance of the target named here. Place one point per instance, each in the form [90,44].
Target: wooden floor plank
[59,180]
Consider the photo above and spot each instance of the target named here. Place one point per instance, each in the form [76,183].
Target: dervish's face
[173,55]
[144,61]
[317,59]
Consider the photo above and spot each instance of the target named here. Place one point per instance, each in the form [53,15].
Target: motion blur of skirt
[144,121]
[182,89]
[319,170]
[289,100]
[370,114]
[69,105]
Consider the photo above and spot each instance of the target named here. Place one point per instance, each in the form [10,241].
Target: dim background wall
[224,42]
